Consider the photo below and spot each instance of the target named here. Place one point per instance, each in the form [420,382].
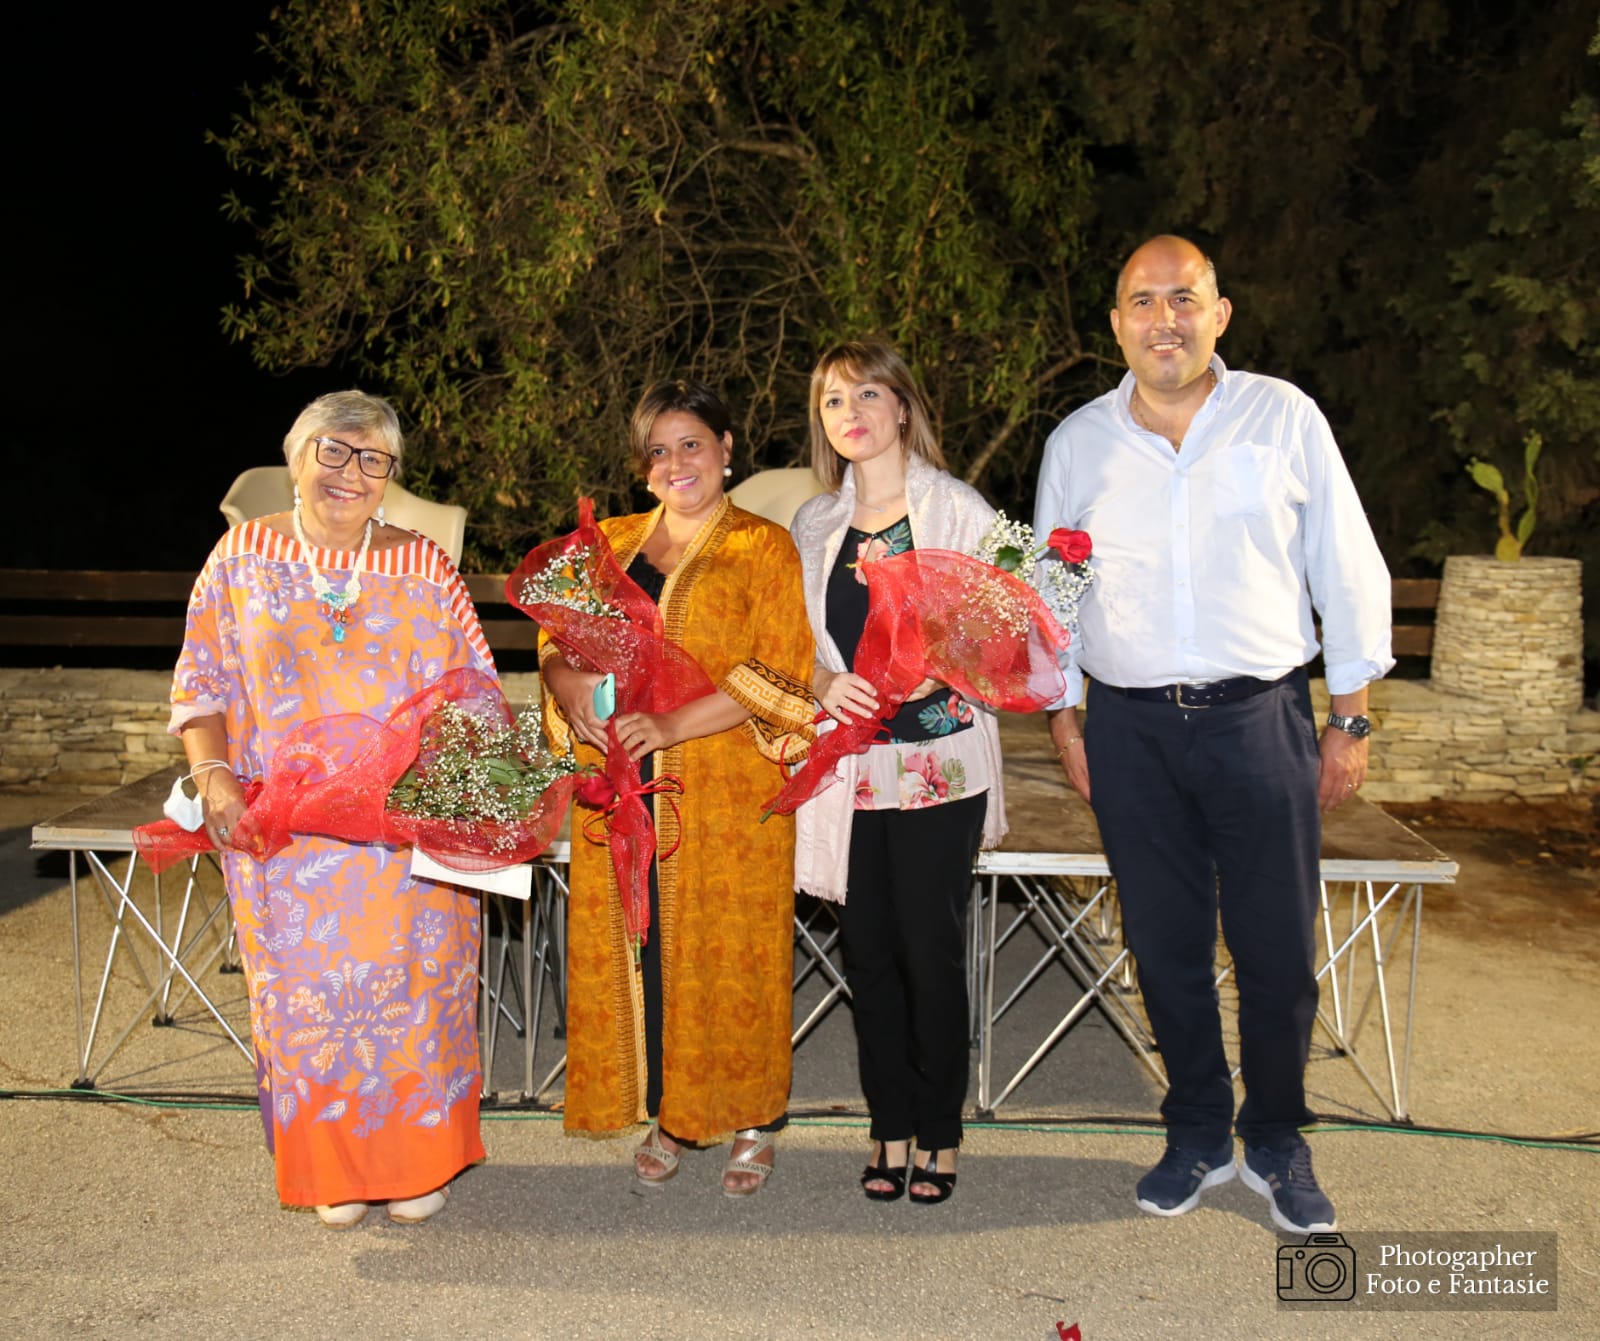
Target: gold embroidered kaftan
[734,603]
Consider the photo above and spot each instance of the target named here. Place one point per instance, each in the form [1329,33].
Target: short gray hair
[345,412]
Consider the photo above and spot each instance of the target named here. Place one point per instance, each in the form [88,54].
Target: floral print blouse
[932,755]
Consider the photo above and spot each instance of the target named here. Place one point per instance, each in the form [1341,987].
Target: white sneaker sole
[1256,1183]
[1218,1176]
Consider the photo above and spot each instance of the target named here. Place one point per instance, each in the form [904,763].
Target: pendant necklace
[334,606]
[1136,400]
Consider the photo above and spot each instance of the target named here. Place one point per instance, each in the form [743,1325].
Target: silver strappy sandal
[746,1163]
[652,1148]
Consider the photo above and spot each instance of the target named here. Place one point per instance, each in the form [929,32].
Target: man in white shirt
[1221,514]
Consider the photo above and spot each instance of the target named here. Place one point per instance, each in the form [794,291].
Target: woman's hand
[928,686]
[642,733]
[222,803]
[205,746]
[842,693]
[573,689]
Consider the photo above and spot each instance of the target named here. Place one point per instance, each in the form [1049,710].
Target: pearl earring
[381,521]
[727,472]
[297,495]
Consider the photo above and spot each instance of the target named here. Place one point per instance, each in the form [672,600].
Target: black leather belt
[1213,694]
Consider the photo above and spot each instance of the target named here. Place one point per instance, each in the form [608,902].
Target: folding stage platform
[1045,906]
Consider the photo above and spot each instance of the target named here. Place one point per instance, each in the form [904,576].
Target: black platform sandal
[931,1177]
[881,1172]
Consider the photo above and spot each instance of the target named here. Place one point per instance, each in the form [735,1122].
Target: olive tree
[513,217]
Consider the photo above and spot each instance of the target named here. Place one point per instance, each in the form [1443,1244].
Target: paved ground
[123,1218]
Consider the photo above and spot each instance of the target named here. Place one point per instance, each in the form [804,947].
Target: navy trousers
[1207,810]
[903,935]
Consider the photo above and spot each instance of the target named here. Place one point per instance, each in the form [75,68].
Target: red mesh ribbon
[934,612]
[653,674]
[331,777]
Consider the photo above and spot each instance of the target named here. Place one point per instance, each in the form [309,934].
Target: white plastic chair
[267,489]
[776,494]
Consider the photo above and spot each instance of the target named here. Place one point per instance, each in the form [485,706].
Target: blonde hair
[871,360]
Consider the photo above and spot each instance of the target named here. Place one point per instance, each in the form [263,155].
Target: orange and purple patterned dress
[363,982]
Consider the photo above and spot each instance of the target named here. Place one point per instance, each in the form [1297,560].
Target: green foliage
[1508,548]
[512,218]
[1401,197]
[1511,347]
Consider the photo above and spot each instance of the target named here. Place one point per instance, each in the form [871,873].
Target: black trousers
[1201,810]
[903,926]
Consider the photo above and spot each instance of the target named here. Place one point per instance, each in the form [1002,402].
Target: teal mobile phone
[605,697]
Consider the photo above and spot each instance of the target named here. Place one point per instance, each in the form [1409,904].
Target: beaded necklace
[334,606]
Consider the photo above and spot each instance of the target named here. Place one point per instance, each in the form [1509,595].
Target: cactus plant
[1508,549]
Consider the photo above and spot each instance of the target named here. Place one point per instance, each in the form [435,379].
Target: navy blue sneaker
[1175,1184]
[1285,1179]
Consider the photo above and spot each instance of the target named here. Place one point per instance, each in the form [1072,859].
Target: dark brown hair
[681,397]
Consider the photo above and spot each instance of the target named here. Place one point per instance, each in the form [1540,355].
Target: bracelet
[1071,741]
[206,766]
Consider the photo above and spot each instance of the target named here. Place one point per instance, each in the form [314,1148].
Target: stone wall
[88,731]
[83,731]
[1429,744]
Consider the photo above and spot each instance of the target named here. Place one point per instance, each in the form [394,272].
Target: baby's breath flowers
[473,769]
[562,582]
[1012,547]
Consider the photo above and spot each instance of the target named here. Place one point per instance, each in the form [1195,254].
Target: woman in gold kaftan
[695,1036]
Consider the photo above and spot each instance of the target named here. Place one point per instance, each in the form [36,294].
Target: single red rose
[595,791]
[1072,546]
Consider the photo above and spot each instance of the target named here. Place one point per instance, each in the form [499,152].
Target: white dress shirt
[1210,559]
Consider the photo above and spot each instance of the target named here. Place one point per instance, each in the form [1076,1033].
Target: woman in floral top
[894,846]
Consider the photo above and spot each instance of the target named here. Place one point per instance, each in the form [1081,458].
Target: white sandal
[652,1148]
[760,1141]
[346,1215]
[414,1210]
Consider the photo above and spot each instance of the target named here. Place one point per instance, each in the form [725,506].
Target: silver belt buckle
[1179,690]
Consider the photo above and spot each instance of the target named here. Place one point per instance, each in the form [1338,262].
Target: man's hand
[1344,768]
[1067,737]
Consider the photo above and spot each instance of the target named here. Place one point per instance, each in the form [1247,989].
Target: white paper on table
[515,882]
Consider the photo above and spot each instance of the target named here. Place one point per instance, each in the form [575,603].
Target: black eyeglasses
[374,465]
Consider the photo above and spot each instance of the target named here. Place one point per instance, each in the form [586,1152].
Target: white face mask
[182,809]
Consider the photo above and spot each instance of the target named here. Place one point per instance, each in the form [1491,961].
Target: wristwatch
[1358,727]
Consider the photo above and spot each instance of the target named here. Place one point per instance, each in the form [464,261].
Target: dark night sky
[130,413]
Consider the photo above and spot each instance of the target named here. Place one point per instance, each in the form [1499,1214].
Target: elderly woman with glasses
[362,978]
